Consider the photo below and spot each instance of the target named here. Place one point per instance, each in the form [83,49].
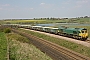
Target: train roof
[80,28]
[25,25]
[54,28]
[61,27]
[36,26]
[11,24]
[75,29]
[46,27]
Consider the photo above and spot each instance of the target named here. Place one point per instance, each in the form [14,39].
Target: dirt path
[65,38]
[7,48]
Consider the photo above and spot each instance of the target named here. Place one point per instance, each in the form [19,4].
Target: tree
[85,16]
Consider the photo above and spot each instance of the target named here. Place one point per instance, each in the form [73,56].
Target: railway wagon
[46,29]
[54,30]
[36,27]
[11,25]
[60,32]
[25,26]
[77,33]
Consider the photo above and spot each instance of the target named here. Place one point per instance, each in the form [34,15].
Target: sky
[10,9]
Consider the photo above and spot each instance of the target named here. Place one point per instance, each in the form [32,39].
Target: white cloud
[82,2]
[1,8]
[78,6]
[42,3]
[28,9]
[5,5]
[31,8]
[65,3]
[17,6]
[54,9]
[63,7]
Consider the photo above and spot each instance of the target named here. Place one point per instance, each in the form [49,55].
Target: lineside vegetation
[3,46]
[22,49]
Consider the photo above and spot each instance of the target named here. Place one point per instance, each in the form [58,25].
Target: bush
[7,30]
[2,29]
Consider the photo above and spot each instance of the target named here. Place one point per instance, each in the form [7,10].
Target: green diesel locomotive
[77,33]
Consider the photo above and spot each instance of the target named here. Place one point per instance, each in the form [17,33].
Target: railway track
[88,40]
[84,43]
[53,50]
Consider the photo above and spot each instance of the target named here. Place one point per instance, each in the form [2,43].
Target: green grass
[72,46]
[26,21]
[83,20]
[17,37]
[76,20]
[21,49]
[34,21]
[3,46]
[2,22]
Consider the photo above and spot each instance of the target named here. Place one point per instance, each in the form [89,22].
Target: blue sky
[43,8]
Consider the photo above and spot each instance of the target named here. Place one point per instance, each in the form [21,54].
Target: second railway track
[55,51]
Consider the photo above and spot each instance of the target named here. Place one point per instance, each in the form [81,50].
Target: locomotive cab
[83,34]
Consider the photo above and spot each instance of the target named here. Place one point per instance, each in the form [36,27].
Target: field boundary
[8,56]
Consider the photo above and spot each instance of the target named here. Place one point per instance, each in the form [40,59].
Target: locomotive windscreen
[84,31]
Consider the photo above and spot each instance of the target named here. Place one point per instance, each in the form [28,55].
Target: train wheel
[83,39]
[65,35]
[74,37]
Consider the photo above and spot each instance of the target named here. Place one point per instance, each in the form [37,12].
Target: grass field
[33,21]
[83,20]
[26,21]
[21,49]
[72,46]
[3,46]
[80,20]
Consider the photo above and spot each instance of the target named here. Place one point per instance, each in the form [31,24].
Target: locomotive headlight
[58,30]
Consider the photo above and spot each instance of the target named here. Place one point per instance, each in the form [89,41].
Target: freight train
[76,33]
